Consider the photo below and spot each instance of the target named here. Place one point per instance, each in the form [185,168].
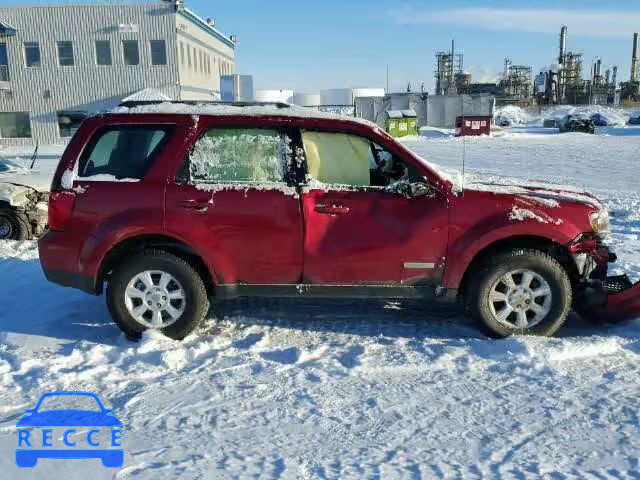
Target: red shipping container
[473,125]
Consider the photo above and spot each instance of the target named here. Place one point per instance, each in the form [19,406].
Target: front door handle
[332,209]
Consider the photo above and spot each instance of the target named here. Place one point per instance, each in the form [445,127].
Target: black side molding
[228,292]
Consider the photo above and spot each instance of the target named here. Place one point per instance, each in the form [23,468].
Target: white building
[59,63]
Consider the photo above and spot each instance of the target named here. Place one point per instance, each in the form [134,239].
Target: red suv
[170,205]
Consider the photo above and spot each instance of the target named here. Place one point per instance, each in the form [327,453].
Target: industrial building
[630,91]
[53,73]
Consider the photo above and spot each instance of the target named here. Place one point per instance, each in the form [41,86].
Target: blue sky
[308,45]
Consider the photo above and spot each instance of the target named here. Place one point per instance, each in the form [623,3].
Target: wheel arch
[533,242]
[160,242]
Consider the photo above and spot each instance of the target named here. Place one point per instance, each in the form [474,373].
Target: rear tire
[536,301]
[13,225]
[180,315]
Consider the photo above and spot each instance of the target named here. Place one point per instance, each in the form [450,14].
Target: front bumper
[623,304]
[609,298]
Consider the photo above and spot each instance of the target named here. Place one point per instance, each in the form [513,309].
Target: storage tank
[285,96]
[307,99]
[347,96]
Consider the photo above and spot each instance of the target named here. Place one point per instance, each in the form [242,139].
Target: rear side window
[228,155]
[123,151]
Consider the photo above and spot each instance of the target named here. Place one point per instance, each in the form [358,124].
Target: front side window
[338,158]
[15,125]
[123,151]
[344,159]
[65,54]
[228,155]
[32,54]
[158,52]
[103,52]
[130,52]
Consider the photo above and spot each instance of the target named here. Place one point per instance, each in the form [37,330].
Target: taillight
[60,210]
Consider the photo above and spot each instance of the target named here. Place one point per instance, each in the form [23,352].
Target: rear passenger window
[228,155]
[123,151]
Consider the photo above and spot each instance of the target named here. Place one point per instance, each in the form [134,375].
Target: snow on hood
[40,181]
[547,193]
[13,174]
[14,195]
[541,191]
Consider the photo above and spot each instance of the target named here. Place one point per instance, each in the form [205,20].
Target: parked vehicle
[503,121]
[171,205]
[634,119]
[23,202]
[600,120]
[577,123]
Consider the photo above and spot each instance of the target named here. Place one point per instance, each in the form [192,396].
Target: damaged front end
[598,295]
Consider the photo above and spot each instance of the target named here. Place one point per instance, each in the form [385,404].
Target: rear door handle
[193,204]
[332,209]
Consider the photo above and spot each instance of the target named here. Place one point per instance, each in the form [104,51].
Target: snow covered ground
[348,389]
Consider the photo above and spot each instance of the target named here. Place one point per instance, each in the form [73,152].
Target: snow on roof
[223,110]
[146,94]
[401,113]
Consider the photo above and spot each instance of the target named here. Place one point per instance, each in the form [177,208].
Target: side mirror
[411,190]
[421,190]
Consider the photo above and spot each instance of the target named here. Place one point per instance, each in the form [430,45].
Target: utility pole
[387,78]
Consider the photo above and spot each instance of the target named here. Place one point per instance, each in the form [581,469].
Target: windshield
[69,402]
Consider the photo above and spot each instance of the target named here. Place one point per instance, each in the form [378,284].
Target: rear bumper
[72,280]
[59,258]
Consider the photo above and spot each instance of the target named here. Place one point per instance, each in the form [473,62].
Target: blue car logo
[98,434]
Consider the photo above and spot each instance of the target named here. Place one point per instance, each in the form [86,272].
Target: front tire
[157,290]
[520,292]
[13,225]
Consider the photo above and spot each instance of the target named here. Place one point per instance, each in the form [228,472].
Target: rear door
[116,185]
[232,200]
[361,225]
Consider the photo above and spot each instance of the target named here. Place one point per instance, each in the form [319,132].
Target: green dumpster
[401,123]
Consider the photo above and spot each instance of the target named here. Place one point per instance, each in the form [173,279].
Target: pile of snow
[516,115]
[615,116]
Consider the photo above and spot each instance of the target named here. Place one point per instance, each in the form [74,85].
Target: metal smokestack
[563,45]
[634,59]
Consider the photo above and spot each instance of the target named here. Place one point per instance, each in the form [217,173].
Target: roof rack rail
[142,103]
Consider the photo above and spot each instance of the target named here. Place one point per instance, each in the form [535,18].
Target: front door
[232,202]
[362,223]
